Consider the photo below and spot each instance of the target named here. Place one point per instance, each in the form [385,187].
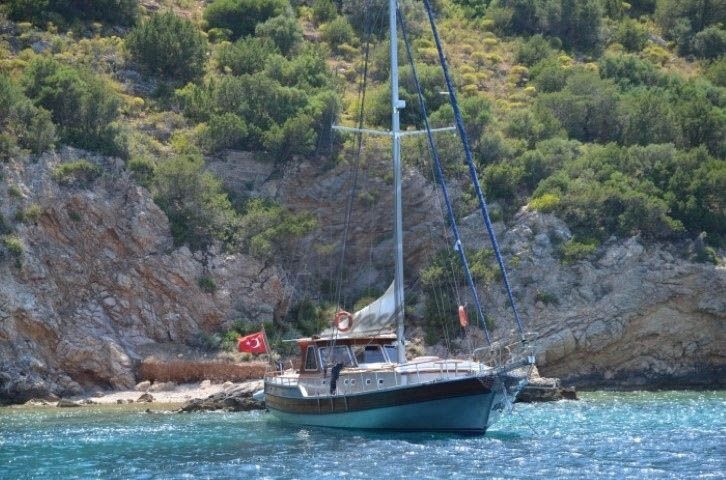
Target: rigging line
[472,169]
[458,246]
[359,147]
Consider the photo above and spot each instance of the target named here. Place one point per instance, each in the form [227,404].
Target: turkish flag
[254,343]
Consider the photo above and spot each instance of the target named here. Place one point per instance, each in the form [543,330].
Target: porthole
[345,382]
[352,382]
[368,381]
[380,381]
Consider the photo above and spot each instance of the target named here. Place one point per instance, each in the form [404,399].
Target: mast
[396,105]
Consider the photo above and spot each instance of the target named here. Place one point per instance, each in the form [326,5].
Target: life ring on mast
[343,321]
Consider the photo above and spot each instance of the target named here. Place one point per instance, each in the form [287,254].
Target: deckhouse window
[370,354]
[337,354]
[310,360]
[392,352]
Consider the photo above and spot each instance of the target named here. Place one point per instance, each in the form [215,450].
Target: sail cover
[376,318]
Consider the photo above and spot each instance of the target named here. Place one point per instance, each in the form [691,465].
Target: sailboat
[355,374]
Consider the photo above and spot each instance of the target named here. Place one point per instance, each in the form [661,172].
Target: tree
[169,46]
[246,55]
[283,31]
[647,117]
[586,108]
[120,12]
[533,50]
[224,131]
[337,32]
[22,123]
[631,35]
[199,211]
[710,43]
[241,17]
[82,104]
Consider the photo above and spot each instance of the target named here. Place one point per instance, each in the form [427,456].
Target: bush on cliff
[168,46]
[80,173]
[198,209]
[22,124]
[241,17]
[82,105]
[120,12]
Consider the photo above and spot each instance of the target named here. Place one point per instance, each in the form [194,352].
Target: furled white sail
[376,318]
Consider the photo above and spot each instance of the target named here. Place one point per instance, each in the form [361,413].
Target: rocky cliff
[99,284]
[629,316]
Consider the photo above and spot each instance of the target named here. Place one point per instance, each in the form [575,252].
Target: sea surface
[605,435]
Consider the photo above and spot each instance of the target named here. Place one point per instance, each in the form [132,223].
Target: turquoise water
[607,435]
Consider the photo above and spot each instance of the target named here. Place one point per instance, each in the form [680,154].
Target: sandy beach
[151,393]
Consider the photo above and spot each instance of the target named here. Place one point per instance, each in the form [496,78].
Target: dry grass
[184,371]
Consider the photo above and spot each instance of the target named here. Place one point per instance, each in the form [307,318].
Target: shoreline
[173,398]
[176,395]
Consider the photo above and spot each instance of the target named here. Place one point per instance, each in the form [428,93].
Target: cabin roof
[363,340]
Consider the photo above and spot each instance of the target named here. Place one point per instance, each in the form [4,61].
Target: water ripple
[607,435]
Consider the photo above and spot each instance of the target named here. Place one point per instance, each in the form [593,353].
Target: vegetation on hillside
[610,114]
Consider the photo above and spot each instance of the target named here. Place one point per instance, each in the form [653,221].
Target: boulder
[235,399]
[145,398]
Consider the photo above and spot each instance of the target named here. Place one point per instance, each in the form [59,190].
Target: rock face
[99,281]
[627,317]
[235,399]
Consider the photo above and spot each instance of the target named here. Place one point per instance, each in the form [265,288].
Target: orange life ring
[343,318]
[463,317]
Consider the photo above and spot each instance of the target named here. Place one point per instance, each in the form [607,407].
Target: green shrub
[546,203]
[295,136]
[577,23]
[241,17]
[627,70]
[324,11]
[30,214]
[223,131]
[207,284]
[82,105]
[631,35]
[309,317]
[533,50]
[283,31]
[710,43]
[716,72]
[142,169]
[198,210]
[267,229]
[13,244]
[574,250]
[337,32]
[14,191]
[246,55]
[549,75]
[586,107]
[120,12]
[22,123]
[502,180]
[169,46]
[647,117]
[79,173]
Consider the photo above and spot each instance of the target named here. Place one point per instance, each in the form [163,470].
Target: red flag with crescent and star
[253,343]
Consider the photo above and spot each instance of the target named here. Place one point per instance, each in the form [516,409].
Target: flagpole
[268,350]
